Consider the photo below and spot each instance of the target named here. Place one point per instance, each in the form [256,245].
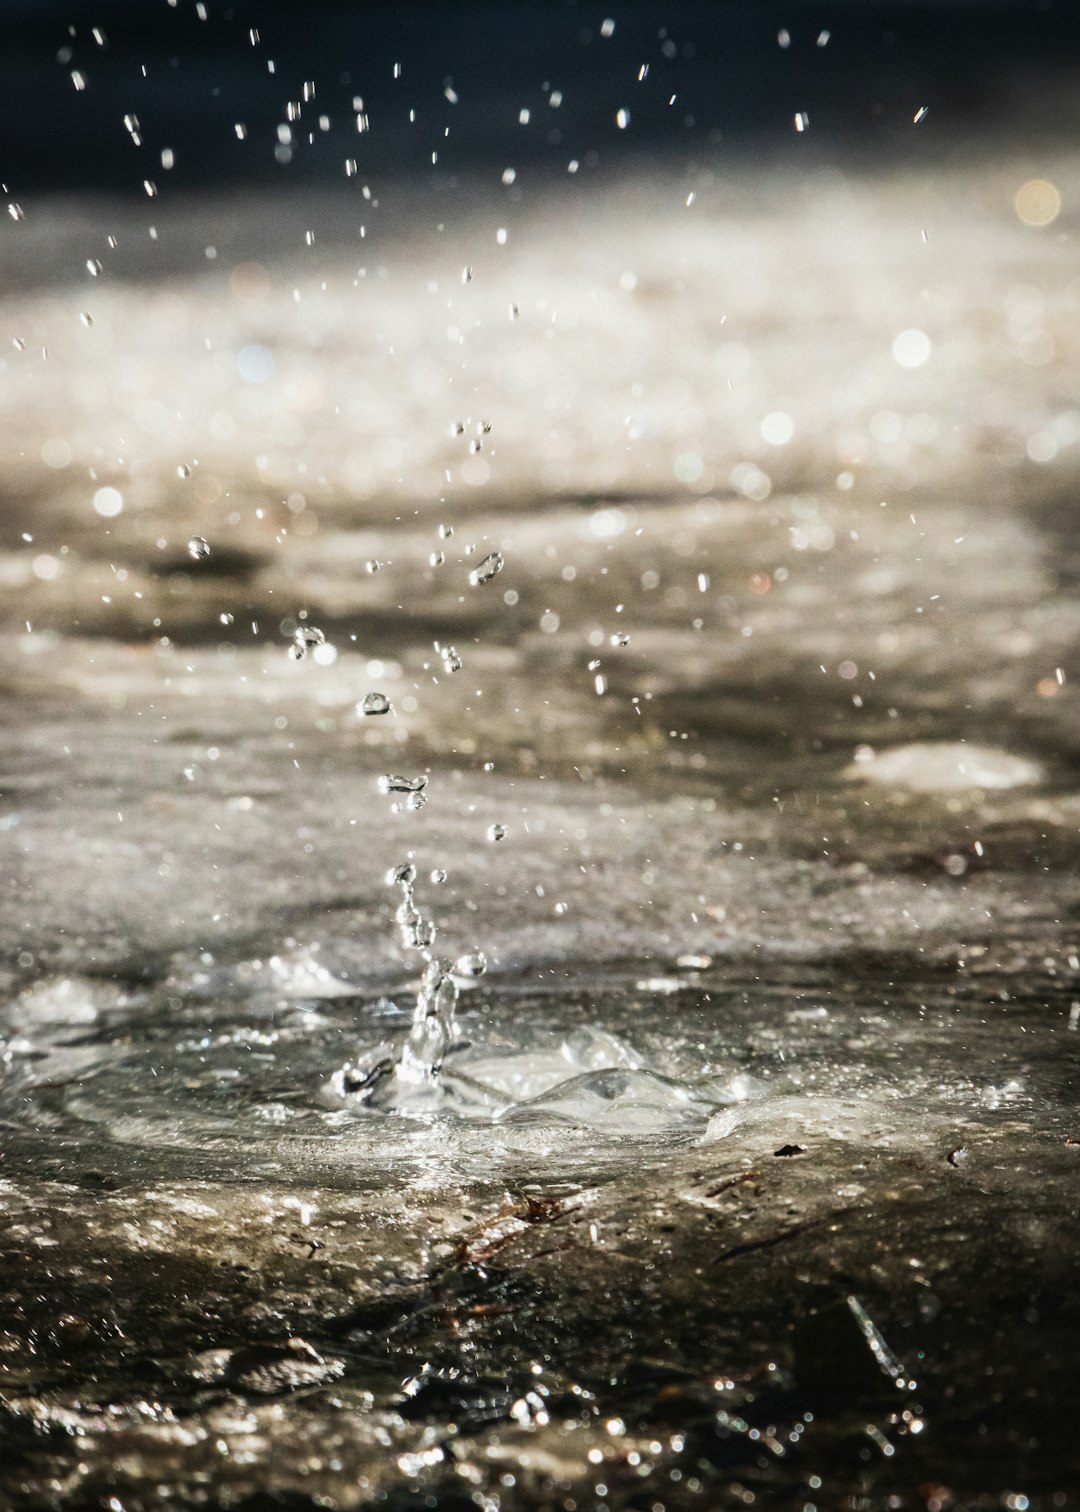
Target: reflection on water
[695,649]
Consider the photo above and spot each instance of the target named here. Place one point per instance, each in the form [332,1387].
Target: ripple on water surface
[575,1082]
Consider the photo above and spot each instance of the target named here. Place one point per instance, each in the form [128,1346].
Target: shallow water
[781,998]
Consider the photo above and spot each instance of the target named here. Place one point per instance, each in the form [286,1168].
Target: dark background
[984,70]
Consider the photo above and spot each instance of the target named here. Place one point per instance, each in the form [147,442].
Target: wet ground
[755,1179]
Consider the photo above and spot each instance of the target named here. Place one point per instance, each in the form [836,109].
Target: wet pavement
[755,1176]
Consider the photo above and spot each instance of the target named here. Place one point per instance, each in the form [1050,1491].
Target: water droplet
[374,703]
[486,570]
[389,782]
[496,832]
[438,875]
[372,566]
[303,639]
[401,876]
[472,965]
[183,470]
[436,559]
[445,532]
[198,548]
[620,638]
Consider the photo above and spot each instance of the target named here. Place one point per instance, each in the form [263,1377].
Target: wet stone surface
[747,825]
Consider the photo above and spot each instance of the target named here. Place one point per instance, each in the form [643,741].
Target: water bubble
[438,875]
[436,559]
[198,548]
[183,470]
[403,875]
[445,532]
[496,832]
[476,446]
[374,703]
[620,638]
[457,428]
[486,570]
[372,566]
[87,319]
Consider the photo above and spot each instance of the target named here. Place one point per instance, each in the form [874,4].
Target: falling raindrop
[304,639]
[484,571]
[472,965]
[391,783]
